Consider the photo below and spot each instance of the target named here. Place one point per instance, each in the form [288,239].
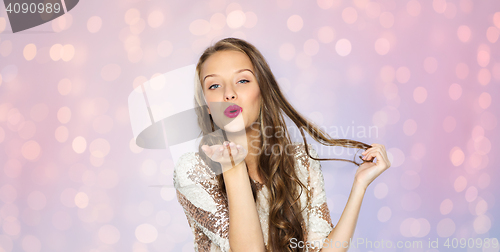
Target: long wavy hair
[278,171]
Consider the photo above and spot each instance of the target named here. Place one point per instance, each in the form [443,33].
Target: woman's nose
[229,94]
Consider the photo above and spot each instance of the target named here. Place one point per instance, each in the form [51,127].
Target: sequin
[211,228]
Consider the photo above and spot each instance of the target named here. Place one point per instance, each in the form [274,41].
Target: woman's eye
[212,86]
[244,80]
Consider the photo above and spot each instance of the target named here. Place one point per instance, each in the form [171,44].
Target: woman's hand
[368,171]
[228,154]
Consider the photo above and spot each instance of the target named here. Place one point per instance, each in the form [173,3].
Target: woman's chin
[236,125]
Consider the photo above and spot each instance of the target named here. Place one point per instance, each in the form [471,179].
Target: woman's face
[231,90]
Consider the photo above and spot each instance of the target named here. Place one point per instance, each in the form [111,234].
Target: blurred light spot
[492,34]
[349,15]
[149,167]
[218,21]
[146,233]
[382,46]
[481,207]
[326,34]
[235,19]
[405,227]
[445,227]
[29,51]
[31,243]
[311,47]
[463,33]
[27,130]
[79,144]
[134,147]
[250,19]
[484,76]
[471,194]
[68,197]
[61,134]
[482,224]
[396,157]
[411,201]
[403,74]
[384,214]
[449,124]
[488,120]
[381,190]
[484,180]
[327,4]
[455,91]
[56,52]
[110,72]
[199,27]
[287,51]
[131,15]
[31,150]
[64,115]
[477,133]
[81,200]
[137,26]
[386,20]
[446,206]
[39,112]
[457,156]
[64,86]
[409,127]
[94,24]
[295,23]
[484,100]
[430,64]
[413,8]
[483,58]
[155,18]
[109,234]
[482,146]
[99,148]
[61,220]
[36,200]
[167,194]
[3,24]
[496,19]
[419,94]
[460,184]
[372,9]
[343,47]
[410,180]
[420,227]
[380,118]
[439,6]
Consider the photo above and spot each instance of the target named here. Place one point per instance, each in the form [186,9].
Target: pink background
[426,74]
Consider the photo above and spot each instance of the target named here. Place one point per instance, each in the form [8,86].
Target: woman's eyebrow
[239,71]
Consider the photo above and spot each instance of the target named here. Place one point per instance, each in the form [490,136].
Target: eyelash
[219,84]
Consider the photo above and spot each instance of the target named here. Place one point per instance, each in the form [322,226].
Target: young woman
[249,188]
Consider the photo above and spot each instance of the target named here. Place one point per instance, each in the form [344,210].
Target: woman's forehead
[226,62]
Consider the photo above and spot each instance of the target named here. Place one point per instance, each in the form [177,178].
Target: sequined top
[207,209]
